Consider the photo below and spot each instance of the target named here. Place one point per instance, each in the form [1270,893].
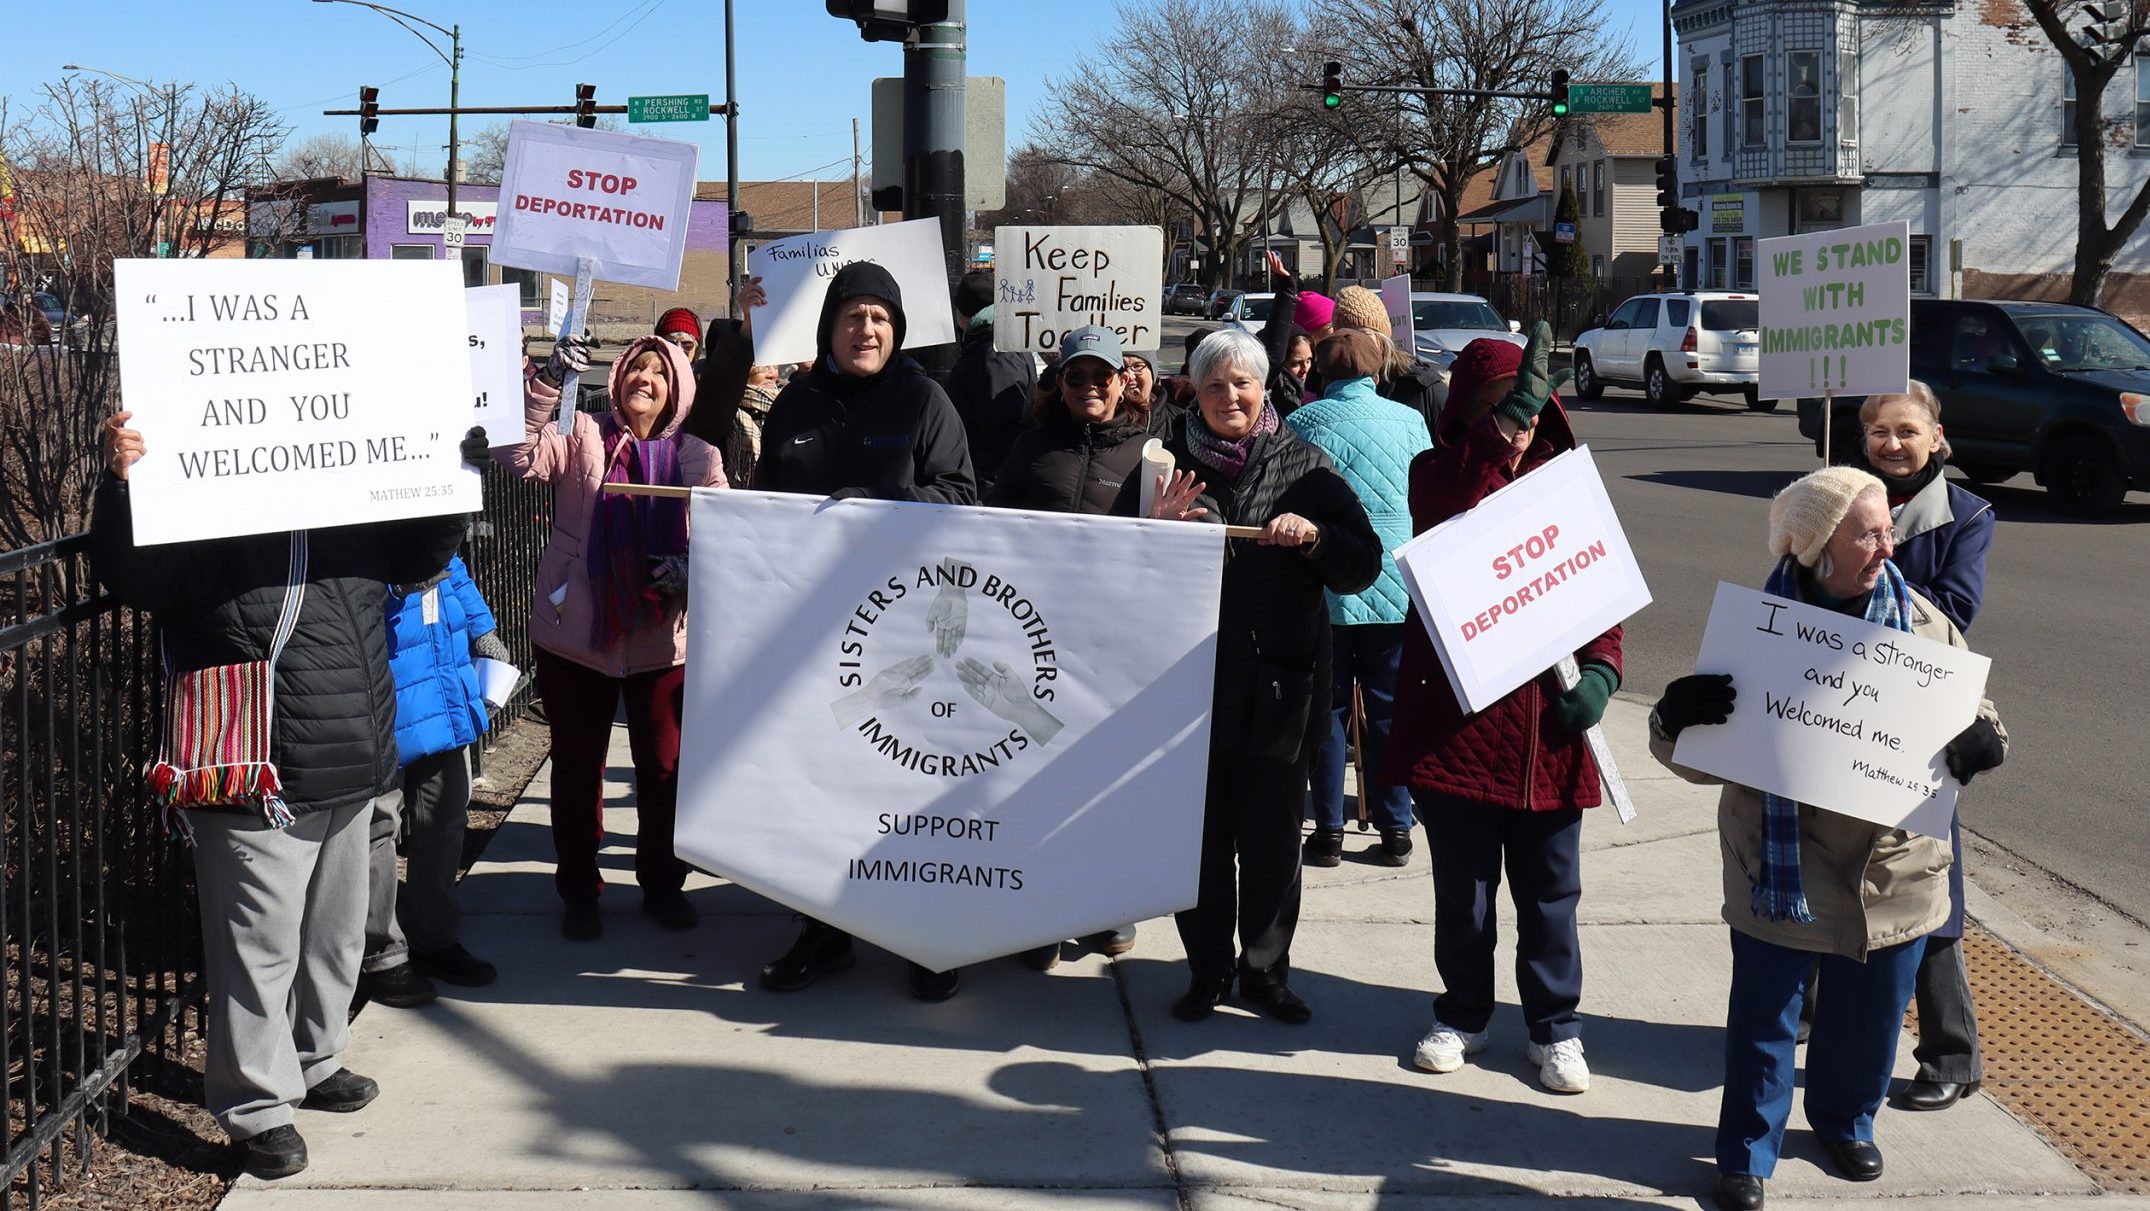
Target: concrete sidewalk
[648,1072]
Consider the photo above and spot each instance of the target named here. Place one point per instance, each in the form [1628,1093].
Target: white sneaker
[1561,1067]
[1443,1048]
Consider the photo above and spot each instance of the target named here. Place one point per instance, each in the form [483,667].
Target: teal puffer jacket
[1372,441]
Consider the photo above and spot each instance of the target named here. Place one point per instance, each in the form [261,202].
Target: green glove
[1579,709]
[1535,384]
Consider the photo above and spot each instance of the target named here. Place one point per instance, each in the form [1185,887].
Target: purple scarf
[630,533]
[1224,455]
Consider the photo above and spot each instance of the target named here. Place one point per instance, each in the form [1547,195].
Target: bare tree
[102,172]
[1488,45]
[325,155]
[485,154]
[2098,236]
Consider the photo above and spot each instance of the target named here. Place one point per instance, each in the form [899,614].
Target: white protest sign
[1049,280]
[948,703]
[556,306]
[795,273]
[496,360]
[1536,571]
[1396,300]
[289,395]
[621,200]
[1836,312]
[1835,711]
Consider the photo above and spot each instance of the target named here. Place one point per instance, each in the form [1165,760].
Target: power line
[601,47]
[565,45]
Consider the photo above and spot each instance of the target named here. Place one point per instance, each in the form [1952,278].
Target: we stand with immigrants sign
[1836,312]
[934,726]
[1050,280]
[290,395]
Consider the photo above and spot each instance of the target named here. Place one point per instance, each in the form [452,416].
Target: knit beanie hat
[1358,307]
[1314,311]
[680,319]
[1481,362]
[1805,515]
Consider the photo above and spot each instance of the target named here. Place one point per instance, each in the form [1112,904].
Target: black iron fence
[502,555]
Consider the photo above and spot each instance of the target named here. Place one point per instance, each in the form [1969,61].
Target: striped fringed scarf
[218,723]
[1779,893]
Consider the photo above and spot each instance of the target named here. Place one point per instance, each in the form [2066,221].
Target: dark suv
[2057,390]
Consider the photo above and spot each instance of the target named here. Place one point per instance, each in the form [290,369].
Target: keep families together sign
[1049,281]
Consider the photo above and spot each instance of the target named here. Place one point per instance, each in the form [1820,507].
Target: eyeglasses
[1873,540]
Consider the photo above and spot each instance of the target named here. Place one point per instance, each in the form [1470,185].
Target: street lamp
[453,57]
[149,183]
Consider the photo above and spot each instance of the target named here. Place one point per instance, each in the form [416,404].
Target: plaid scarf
[1228,456]
[1779,893]
[629,533]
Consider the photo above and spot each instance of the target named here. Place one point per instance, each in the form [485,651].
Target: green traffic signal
[1332,100]
[1332,84]
[1560,93]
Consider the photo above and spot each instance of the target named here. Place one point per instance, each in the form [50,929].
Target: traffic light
[369,109]
[1668,182]
[586,105]
[1560,93]
[2106,37]
[1332,84]
[1678,220]
[889,20]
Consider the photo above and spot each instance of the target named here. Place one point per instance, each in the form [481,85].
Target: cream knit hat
[1358,307]
[1805,515]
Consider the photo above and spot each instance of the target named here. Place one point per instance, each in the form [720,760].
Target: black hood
[852,281]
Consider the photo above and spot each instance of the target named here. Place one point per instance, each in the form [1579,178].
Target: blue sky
[803,75]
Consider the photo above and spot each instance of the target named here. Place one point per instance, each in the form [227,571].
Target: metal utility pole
[1672,274]
[858,200]
[453,57]
[731,157]
[933,129]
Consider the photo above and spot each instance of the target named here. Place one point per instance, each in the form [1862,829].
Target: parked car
[24,325]
[1223,302]
[1674,346]
[1250,312]
[1442,324]
[1186,298]
[58,323]
[2057,390]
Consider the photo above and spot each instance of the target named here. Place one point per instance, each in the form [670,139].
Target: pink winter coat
[574,464]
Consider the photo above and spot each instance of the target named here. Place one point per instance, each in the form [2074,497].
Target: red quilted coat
[1511,754]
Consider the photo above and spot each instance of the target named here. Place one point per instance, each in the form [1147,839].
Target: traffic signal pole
[1673,274]
[934,60]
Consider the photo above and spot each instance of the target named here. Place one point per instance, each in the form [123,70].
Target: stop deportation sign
[621,200]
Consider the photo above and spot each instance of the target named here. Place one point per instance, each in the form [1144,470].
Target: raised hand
[950,612]
[570,357]
[1535,384]
[1176,494]
[751,296]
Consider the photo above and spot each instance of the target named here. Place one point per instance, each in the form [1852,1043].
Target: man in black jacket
[283,908]
[865,421]
[993,392]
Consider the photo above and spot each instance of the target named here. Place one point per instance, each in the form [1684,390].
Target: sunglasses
[1094,374]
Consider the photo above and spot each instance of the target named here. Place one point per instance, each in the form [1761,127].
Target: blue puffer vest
[1372,441]
[439,704]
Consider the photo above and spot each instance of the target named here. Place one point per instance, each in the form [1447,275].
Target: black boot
[1395,847]
[933,986]
[400,986]
[670,908]
[820,950]
[1203,995]
[580,921]
[341,1092]
[1737,1192]
[1276,999]
[1324,847]
[277,1152]
[452,964]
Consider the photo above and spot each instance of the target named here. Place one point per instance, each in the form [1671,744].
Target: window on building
[410,252]
[1701,105]
[1720,262]
[1731,112]
[1565,182]
[526,280]
[1803,96]
[475,259]
[1752,104]
[1921,264]
[1597,188]
[2067,106]
[1597,267]
[1743,262]
[338,248]
[1847,91]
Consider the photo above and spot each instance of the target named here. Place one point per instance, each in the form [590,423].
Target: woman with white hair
[1240,467]
[1801,882]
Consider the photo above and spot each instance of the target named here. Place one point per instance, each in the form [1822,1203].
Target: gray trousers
[283,921]
[435,799]
[1948,1025]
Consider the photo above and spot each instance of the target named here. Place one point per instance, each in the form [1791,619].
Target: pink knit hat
[1314,311]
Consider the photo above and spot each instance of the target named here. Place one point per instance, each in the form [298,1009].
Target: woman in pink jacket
[609,618]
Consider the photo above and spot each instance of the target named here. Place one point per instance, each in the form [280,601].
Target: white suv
[1674,346]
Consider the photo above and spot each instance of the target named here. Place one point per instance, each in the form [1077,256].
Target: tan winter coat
[1869,887]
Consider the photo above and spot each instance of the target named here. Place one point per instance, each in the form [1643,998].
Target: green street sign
[1609,99]
[690,108]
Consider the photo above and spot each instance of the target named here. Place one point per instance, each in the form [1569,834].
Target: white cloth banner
[290,395]
[496,360]
[1835,711]
[1536,571]
[940,728]
[795,272]
[1836,311]
[1049,280]
[621,200]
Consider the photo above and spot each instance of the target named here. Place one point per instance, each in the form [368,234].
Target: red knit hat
[680,319]
[1481,362]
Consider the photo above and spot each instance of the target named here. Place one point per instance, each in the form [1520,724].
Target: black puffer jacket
[1065,467]
[992,392]
[891,436]
[1419,388]
[217,602]
[1273,658]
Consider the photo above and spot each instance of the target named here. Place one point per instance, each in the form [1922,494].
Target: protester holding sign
[1483,806]
[1942,535]
[1800,881]
[1372,442]
[609,616]
[279,734]
[1241,467]
[865,421]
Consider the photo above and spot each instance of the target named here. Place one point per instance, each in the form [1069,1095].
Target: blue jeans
[1366,655]
[1849,1058]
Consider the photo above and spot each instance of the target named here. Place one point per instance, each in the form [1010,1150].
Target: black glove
[477,452]
[1535,383]
[1699,698]
[1975,750]
[668,575]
